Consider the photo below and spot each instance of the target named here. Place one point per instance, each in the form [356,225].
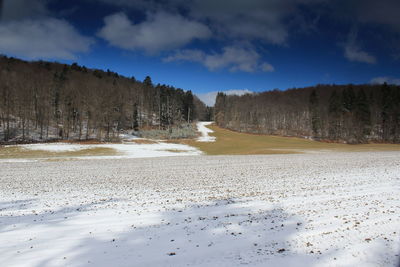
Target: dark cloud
[256,19]
[22,9]
[386,12]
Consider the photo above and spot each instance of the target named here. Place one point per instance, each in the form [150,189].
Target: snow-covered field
[331,209]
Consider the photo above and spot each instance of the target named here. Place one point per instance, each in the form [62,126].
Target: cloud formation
[209,98]
[383,12]
[385,79]
[232,57]
[161,31]
[22,9]
[251,19]
[266,21]
[354,53]
[43,38]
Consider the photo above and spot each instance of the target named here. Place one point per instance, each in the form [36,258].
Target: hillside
[44,100]
[339,113]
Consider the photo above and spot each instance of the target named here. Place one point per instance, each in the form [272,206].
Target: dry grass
[82,142]
[175,150]
[142,141]
[235,143]
[13,152]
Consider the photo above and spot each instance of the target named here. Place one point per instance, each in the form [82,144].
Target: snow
[160,149]
[201,127]
[124,150]
[129,137]
[55,147]
[330,209]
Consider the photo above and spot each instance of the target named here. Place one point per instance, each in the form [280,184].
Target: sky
[236,46]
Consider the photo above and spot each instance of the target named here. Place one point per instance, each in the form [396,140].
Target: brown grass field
[234,143]
[14,152]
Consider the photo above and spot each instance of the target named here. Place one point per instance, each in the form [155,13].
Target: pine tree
[386,104]
[363,115]
[348,98]
[334,115]
[189,106]
[314,111]
[147,82]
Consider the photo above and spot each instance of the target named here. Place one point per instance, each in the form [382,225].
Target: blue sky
[213,45]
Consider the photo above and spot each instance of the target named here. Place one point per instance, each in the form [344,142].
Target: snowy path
[201,127]
[338,209]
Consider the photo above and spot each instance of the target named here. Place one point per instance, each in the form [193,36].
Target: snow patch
[201,127]
[123,150]
[56,147]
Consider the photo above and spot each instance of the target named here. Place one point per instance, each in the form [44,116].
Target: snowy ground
[336,209]
[124,150]
[201,126]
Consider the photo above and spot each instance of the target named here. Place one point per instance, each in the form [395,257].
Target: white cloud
[265,20]
[209,98]
[43,38]
[161,31]
[388,80]
[232,57]
[354,53]
[266,67]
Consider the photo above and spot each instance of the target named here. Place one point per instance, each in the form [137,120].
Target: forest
[43,100]
[339,113]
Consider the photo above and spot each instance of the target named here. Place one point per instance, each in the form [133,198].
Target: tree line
[340,113]
[43,100]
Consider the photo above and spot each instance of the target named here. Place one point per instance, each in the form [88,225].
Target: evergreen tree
[363,115]
[147,82]
[386,104]
[334,115]
[348,98]
[189,106]
[314,111]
